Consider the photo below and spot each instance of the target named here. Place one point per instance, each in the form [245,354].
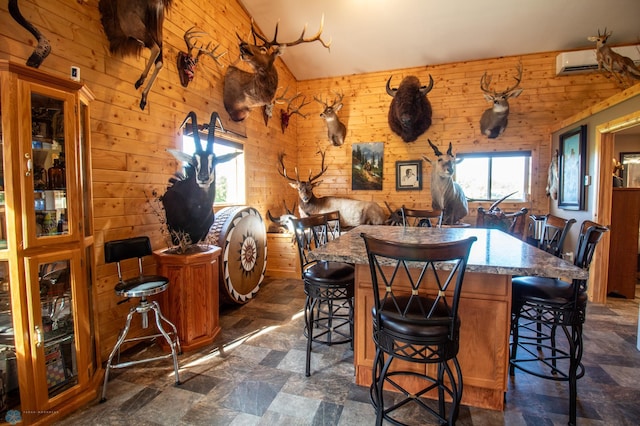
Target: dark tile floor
[254,375]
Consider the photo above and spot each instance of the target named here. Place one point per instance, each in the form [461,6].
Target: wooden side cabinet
[623,254]
[191,302]
[49,362]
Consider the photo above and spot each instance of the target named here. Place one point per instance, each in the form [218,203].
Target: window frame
[502,154]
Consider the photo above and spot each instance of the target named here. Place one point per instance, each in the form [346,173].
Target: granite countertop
[495,252]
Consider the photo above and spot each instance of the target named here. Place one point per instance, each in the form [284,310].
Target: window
[491,176]
[230,182]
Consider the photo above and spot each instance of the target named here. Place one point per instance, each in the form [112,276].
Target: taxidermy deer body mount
[352,212]
[494,120]
[130,26]
[446,195]
[43,48]
[410,110]
[336,130]
[245,90]
[621,67]
[187,61]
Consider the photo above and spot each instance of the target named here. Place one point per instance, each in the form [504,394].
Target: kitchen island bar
[485,304]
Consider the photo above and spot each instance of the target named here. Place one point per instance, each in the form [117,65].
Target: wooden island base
[485,306]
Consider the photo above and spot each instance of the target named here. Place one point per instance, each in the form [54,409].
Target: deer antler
[300,40]
[485,82]
[192,34]
[323,168]
[290,104]
[335,101]
[283,172]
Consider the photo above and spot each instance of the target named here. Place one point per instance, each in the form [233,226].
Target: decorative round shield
[240,232]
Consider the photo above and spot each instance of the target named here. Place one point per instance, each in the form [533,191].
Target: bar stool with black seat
[554,233]
[415,320]
[552,305]
[328,286]
[421,217]
[141,286]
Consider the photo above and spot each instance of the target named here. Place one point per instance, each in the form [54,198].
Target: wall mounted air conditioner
[582,61]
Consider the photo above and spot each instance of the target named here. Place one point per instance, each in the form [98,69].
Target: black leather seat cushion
[551,290]
[414,323]
[330,271]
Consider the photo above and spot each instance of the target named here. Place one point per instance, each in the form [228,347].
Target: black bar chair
[543,306]
[141,286]
[421,217]
[416,324]
[554,232]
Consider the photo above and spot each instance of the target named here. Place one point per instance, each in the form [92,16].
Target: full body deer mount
[446,195]
[245,90]
[188,201]
[187,61]
[621,67]
[336,130]
[43,48]
[352,212]
[130,26]
[494,119]
[410,110]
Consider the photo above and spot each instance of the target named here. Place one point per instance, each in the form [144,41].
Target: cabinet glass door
[53,291]
[49,153]
[9,390]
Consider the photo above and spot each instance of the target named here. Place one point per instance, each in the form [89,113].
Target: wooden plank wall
[129,157]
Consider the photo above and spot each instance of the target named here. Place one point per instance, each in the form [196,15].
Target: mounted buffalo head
[410,110]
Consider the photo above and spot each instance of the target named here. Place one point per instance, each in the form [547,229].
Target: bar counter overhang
[485,303]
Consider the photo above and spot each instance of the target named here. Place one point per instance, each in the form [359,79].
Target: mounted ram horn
[352,212]
[245,90]
[188,201]
[410,110]
[43,48]
[130,26]
[494,120]
[336,130]
[187,61]
[283,222]
[446,195]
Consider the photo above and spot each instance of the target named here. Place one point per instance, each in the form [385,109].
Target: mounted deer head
[305,189]
[292,108]
[621,67]
[494,120]
[187,62]
[245,90]
[410,110]
[336,130]
[267,109]
[132,25]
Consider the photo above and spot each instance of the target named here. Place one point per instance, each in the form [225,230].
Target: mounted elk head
[410,110]
[494,120]
[43,48]
[130,26]
[336,130]
[621,67]
[187,61]
[188,201]
[352,212]
[292,108]
[245,90]
[446,195]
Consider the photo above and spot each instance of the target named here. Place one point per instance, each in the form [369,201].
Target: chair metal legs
[143,308]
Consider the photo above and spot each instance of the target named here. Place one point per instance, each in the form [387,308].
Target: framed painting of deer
[572,164]
[408,175]
[367,165]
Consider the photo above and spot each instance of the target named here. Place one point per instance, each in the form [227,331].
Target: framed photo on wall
[572,168]
[408,175]
[631,171]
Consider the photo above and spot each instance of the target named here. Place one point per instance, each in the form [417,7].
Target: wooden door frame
[603,169]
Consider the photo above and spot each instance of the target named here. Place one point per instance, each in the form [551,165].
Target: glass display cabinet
[49,354]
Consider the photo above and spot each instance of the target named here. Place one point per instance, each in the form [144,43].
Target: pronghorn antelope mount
[336,130]
[621,67]
[244,90]
[130,26]
[188,200]
[446,195]
[352,212]
[494,119]
[410,110]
